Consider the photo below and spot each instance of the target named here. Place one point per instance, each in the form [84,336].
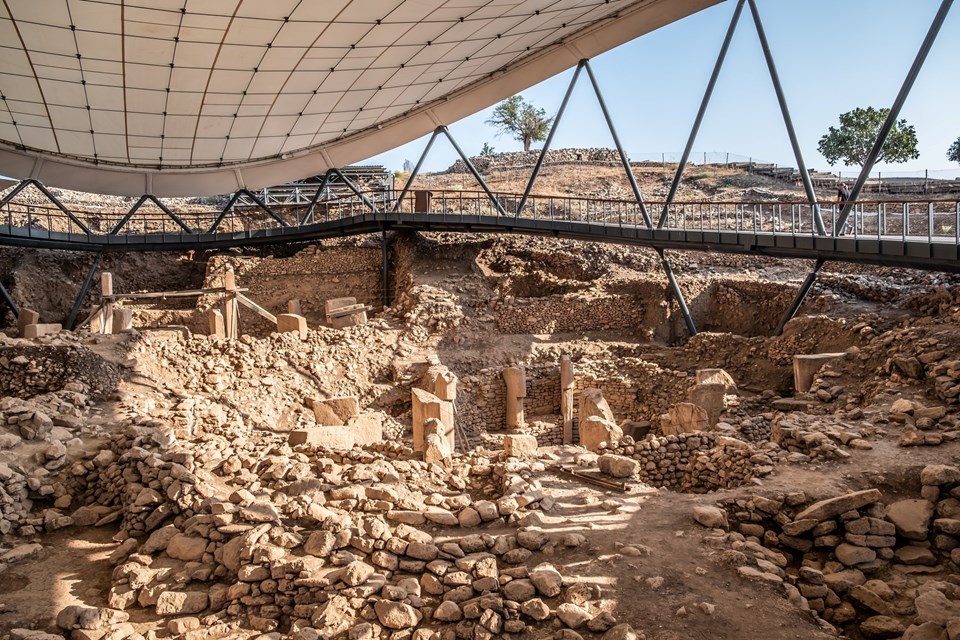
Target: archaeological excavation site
[257,382]
[428,435]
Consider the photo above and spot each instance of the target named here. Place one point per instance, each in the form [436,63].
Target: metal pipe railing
[916,220]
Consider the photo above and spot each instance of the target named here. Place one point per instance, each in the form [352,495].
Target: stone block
[333,304]
[215,318]
[593,404]
[294,308]
[334,411]
[711,397]
[361,430]
[716,376]
[292,323]
[26,318]
[122,320]
[520,446]
[805,368]
[595,430]
[617,466]
[354,319]
[684,417]
[515,379]
[37,330]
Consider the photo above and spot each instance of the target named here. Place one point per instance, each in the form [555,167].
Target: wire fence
[727,158]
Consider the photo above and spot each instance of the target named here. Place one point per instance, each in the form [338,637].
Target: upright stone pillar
[445,385]
[106,290]
[566,398]
[230,305]
[293,307]
[215,317]
[426,406]
[516,391]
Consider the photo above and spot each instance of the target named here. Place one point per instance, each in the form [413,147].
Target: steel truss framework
[381,211]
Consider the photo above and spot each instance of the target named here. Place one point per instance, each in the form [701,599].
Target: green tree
[953,153]
[857,134]
[487,150]
[520,119]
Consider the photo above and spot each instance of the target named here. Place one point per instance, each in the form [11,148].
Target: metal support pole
[787,120]
[801,296]
[8,300]
[616,141]
[549,140]
[313,201]
[170,213]
[59,205]
[72,318]
[127,217]
[229,205]
[894,113]
[386,274]
[703,109]
[356,190]
[473,170]
[13,193]
[677,293]
[416,169]
[262,205]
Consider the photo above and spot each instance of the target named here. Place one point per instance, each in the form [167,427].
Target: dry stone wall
[693,462]
[518,159]
[564,314]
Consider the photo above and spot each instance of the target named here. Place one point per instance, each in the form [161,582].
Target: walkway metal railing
[918,221]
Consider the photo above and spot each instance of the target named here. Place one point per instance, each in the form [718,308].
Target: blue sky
[832,55]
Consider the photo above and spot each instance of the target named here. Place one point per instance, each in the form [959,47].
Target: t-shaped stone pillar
[516,391]
[426,406]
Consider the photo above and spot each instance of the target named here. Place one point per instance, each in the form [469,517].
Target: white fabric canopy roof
[196,97]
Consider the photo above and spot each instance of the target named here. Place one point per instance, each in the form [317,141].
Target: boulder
[925,631]
[572,615]
[177,603]
[852,555]
[933,606]
[711,517]
[881,628]
[547,580]
[618,466]
[939,474]
[396,615]
[684,417]
[188,548]
[519,446]
[911,518]
[596,431]
[593,404]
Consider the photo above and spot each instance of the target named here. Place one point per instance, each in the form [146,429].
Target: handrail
[936,221]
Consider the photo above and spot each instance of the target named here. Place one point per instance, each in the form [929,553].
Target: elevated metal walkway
[921,235]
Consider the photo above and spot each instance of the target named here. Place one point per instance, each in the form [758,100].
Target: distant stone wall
[519,159]
[562,314]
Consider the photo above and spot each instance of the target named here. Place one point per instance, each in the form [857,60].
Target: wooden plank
[167,294]
[250,304]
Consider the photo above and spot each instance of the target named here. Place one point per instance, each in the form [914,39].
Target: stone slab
[805,368]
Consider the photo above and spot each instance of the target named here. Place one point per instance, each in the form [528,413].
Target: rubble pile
[315,543]
[856,559]
[27,369]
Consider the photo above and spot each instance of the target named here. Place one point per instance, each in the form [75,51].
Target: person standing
[843,195]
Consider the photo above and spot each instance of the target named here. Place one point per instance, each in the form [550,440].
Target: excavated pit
[167,429]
